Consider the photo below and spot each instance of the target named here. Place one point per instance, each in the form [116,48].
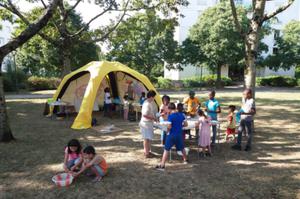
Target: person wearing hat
[192,104]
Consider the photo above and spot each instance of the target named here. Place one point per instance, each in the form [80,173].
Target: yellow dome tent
[84,88]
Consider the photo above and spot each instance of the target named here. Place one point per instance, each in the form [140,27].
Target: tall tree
[69,36]
[32,29]
[42,58]
[287,54]
[145,42]
[216,38]
[252,36]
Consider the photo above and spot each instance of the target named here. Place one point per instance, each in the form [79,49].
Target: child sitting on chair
[231,123]
[204,134]
[93,162]
[174,137]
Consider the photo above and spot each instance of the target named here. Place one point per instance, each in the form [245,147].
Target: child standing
[212,107]
[126,107]
[73,156]
[192,104]
[231,123]
[107,102]
[164,113]
[93,162]
[175,135]
[204,133]
[142,98]
[246,123]
[180,110]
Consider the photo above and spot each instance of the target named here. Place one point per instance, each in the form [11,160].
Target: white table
[60,104]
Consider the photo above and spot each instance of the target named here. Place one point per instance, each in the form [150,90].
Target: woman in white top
[147,120]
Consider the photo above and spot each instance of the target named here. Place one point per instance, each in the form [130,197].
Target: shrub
[42,83]
[207,80]
[164,83]
[10,83]
[276,81]
[297,72]
[298,82]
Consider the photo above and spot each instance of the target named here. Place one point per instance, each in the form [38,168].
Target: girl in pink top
[164,113]
[73,156]
[204,133]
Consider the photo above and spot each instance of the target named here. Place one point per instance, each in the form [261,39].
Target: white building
[5,34]
[197,7]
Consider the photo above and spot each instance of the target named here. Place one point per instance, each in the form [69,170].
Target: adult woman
[146,123]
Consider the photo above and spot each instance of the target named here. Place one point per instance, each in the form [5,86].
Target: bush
[298,82]
[42,83]
[164,83]
[276,81]
[9,80]
[297,72]
[207,80]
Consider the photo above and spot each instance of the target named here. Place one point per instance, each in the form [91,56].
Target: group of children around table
[78,161]
[176,134]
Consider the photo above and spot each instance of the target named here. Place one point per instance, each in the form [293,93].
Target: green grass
[271,170]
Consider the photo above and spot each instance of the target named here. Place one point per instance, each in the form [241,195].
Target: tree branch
[279,10]
[30,31]
[235,18]
[85,27]
[14,10]
[113,28]
[74,6]
[44,4]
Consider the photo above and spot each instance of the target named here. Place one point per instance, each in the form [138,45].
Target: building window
[201,2]
[276,34]
[275,50]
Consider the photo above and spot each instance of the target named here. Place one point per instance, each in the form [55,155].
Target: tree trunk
[252,42]
[66,56]
[5,132]
[218,81]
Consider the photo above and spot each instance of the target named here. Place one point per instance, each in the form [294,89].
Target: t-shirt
[98,160]
[142,99]
[147,109]
[107,98]
[231,121]
[126,104]
[177,120]
[72,156]
[212,105]
[247,105]
[192,105]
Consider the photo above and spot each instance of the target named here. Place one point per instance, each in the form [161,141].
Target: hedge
[276,81]
[10,83]
[42,83]
[193,82]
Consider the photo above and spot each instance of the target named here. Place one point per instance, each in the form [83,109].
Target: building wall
[196,7]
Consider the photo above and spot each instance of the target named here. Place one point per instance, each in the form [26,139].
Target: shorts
[230,131]
[71,163]
[100,171]
[176,140]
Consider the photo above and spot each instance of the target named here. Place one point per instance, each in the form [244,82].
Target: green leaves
[288,48]
[145,42]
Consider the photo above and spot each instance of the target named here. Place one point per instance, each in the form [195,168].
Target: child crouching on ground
[175,135]
[93,162]
[73,156]
[231,123]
